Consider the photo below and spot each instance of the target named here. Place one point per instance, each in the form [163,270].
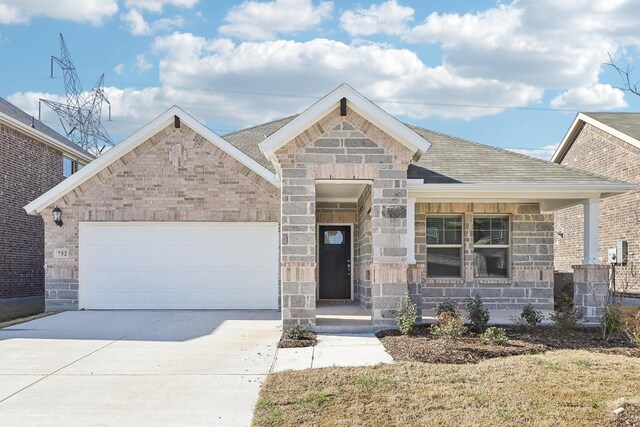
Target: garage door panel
[178,265]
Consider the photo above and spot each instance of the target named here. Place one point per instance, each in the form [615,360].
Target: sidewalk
[333,350]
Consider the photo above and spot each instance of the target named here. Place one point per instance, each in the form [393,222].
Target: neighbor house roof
[36,129]
[624,126]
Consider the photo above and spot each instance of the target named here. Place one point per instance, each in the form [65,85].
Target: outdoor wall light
[57,216]
[560,233]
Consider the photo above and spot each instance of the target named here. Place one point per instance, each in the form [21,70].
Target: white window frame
[460,246]
[507,246]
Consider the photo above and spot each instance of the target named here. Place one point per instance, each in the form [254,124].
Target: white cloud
[544,153]
[142,64]
[135,23]
[592,98]
[156,6]
[119,69]
[253,20]
[386,18]
[138,26]
[549,44]
[22,11]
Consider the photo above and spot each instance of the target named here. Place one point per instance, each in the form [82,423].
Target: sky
[511,73]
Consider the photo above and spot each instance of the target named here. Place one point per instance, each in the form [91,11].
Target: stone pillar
[590,291]
[414,283]
[389,244]
[298,248]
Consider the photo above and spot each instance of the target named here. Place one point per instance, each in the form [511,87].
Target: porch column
[591,231]
[389,244]
[411,230]
[298,248]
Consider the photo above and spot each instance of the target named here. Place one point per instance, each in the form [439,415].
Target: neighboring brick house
[606,144]
[342,202]
[33,159]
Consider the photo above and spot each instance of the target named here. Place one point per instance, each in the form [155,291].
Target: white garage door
[136,265]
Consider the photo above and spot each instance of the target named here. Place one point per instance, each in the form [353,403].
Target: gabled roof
[19,119]
[624,126]
[135,140]
[361,105]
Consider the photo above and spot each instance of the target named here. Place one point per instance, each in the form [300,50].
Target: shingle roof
[627,123]
[449,160]
[16,113]
[247,140]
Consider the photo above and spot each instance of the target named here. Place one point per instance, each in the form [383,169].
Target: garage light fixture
[57,216]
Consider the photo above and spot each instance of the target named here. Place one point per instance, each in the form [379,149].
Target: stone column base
[298,293]
[388,287]
[590,291]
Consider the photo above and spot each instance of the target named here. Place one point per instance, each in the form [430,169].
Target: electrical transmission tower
[80,116]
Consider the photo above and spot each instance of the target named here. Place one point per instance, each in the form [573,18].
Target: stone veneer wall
[599,152]
[531,258]
[342,147]
[342,213]
[176,175]
[363,284]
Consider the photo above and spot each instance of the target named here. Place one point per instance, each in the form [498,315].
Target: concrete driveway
[135,368]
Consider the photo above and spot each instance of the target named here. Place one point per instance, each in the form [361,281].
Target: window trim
[461,246]
[508,246]
[74,165]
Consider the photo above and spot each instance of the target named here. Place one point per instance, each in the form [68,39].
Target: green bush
[295,333]
[478,313]
[611,322]
[494,335]
[447,306]
[449,326]
[566,318]
[406,316]
[530,316]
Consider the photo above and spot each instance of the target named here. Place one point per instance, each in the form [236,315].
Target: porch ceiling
[339,192]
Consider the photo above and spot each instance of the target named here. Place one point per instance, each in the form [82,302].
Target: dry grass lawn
[562,388]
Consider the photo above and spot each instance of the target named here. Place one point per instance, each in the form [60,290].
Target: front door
[334,257]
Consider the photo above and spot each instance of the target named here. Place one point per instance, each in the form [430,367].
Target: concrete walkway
[333,350]
[136,368]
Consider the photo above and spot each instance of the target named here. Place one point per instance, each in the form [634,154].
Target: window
[69,166]
[444,246]
[491,246]
[333,238]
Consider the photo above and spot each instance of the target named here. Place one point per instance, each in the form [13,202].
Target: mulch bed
[421,346]
[309,340]
[630,417]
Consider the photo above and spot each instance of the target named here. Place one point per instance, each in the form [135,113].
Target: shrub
[530,316]
[406,316]
[449,326]
[566,318]
[296,333]
[478,313]
[494,335]
[633,330]
[447,306]
[611,322]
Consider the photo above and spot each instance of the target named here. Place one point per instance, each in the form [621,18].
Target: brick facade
[599,152]
[28,168]
[531,260]
[176,175]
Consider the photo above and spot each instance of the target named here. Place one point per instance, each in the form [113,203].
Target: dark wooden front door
[334,256]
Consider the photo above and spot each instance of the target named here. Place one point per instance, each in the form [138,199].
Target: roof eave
[46,139]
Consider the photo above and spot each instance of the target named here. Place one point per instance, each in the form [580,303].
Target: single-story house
[33,159]
[341,202]
[607,144]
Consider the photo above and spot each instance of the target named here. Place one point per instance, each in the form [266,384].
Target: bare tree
[628,84]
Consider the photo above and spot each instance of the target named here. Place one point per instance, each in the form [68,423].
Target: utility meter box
[611,256]
[622,250]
